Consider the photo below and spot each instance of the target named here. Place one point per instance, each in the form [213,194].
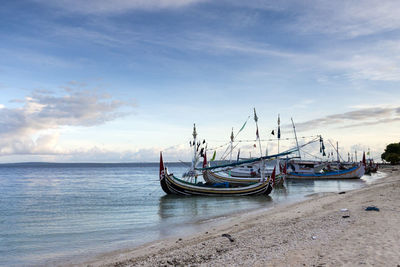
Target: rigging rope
[287,152]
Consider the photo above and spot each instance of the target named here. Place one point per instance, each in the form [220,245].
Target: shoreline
[291,234]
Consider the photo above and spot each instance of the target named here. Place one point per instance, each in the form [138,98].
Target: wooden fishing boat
[173,185]
[354,172]
[221,177]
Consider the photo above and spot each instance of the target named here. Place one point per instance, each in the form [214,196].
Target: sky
[120,81]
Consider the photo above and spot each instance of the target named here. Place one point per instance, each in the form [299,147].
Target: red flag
[257,136]
[205,160]
[161,167]
[285,169]
[273,176]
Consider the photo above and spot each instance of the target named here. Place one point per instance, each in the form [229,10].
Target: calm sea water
[51,213]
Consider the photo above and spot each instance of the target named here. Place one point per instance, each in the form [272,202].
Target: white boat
[252,170]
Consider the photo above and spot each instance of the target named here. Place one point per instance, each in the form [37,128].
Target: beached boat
[320,170]
[221,177]
[246,175]
[173,185]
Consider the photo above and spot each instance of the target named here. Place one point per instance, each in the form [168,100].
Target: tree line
[392,153]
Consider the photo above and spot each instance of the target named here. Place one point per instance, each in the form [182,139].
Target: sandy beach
[328,229]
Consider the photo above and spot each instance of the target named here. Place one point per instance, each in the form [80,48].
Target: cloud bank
[357,118]
[33,127]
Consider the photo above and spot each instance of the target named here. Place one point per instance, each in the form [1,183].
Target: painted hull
[173,185]
[352,173]
[213,177]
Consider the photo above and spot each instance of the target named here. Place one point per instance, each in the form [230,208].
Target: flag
[363,160]
[202,152]
[255,115]
[243,125]
[273,132]
[161,175]
[213,157]
[285,169]
[238,155]
[255,145]
[205,160]
[257,136]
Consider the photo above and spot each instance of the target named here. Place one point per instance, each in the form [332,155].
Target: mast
[232,137]
[194,146]
[259,144]
[279,130]
[337,151]
[295,136]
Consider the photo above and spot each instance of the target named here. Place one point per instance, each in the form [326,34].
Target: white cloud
[357,118]
[115,6]
[2,106]
[33,127]
[349,19]
[369,67]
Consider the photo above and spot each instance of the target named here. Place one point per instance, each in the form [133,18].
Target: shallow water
[50,213]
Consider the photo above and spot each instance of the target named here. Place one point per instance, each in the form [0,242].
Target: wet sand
[313,232]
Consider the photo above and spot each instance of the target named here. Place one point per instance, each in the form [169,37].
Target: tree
[392,153]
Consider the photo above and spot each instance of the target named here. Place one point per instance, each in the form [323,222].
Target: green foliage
[392,153]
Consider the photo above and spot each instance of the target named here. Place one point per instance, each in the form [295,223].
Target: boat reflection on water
[199,208]
[179,215]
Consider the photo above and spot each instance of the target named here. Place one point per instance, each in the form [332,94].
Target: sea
[56,213]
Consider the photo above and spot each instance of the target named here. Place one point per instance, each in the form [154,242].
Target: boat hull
[179,187]
[213,177]
[353,173]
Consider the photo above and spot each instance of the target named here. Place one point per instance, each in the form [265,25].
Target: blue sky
[121,80]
